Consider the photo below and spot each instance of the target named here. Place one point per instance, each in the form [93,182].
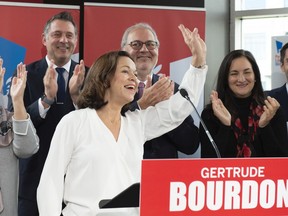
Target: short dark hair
[282,53]
[98,80]
[65,16]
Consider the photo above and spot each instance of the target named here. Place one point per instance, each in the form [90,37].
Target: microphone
[184,94]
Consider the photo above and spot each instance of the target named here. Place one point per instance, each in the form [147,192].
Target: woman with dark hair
[98,150]
[241,121]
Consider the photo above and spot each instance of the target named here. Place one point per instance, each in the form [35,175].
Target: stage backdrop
[20,33]
[104,25]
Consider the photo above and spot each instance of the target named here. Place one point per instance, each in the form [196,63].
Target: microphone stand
[184,94]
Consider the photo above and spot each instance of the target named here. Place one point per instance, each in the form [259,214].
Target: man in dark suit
[141,41]
[43,102]
[281,93]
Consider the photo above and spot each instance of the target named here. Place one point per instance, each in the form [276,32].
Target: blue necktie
[61,86]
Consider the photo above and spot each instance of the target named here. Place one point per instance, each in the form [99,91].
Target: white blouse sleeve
[51,187]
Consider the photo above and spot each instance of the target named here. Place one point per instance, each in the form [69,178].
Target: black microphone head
[184,93]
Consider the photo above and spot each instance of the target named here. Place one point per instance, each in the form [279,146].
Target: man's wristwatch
[46,100]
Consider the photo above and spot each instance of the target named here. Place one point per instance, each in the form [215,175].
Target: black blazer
[280,94]
[31,168]
[184,138]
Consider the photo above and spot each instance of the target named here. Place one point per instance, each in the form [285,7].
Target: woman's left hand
[270,108]
[196,45]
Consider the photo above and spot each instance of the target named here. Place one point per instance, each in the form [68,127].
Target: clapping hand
[50,82]
[270,108]
[219,109]
[77,80]
[18,84]
[162,90]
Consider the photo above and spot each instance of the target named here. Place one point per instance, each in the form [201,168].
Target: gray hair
[138,26]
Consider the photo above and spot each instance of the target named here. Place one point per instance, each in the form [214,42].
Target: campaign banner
[254,186]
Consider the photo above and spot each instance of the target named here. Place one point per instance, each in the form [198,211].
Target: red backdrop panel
[23,24]
[104,26]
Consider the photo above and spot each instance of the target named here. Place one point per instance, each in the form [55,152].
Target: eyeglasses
[137,45]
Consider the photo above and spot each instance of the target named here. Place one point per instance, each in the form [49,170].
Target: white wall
[217,39]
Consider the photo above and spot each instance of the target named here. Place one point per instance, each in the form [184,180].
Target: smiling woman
[241,120]
[101,150]
[241,78]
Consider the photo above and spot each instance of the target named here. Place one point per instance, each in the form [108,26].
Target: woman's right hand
[219,109]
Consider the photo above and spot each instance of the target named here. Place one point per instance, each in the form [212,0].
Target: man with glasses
[141,42]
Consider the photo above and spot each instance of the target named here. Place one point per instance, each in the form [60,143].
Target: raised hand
[196,45]
[19,83]
[77,80]
[219,109]
[2,73]
[270,108]
[17,92]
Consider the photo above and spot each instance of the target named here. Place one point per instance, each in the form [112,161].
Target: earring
[106,85]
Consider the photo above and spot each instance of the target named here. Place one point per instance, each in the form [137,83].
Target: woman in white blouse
[97,149]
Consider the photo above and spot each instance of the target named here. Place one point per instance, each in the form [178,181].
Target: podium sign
[181,187]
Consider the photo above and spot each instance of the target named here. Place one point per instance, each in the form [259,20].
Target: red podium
[182,187]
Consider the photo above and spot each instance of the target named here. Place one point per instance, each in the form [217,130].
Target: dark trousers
[27,207]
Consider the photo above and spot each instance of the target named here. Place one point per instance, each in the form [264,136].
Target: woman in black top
[242,122]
